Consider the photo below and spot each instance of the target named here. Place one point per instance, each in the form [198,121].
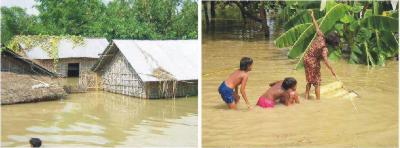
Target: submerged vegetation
[367,30]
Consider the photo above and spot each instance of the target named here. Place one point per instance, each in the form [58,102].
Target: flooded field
[372,122]
[102,119]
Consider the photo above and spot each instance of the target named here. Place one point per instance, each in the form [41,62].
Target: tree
[15,21]
[71,17]
[120,19]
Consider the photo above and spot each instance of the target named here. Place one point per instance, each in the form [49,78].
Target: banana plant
[303,41]
[370,36]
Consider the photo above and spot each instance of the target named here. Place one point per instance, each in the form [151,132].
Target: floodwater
[335,122]
[102,119]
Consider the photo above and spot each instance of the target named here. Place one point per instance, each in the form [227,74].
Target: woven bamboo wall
[119,77]
[166,89]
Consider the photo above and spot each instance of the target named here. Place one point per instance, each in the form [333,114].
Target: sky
[28,5]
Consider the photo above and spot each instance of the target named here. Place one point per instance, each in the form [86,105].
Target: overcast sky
[28,5]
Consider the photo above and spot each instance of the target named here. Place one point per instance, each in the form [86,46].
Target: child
[35,142]
[317,52]
[229,88]
[282,91]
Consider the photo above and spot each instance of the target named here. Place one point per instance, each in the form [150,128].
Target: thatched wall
[119,77]
[62,67]
[25,88]
[12,64]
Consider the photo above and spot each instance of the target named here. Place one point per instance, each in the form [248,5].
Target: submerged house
[150,69]
[73,59]
[13,62]
[23,81]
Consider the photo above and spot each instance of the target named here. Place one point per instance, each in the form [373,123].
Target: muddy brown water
[102,119]
[371,122]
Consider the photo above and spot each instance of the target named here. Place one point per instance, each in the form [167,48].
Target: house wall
[166,89]
[119,77]
[11,64]
[85,64]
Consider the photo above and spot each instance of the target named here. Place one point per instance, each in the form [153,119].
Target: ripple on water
[371,121]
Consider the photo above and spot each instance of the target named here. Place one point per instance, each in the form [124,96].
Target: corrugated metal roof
[180,58]
[91,48]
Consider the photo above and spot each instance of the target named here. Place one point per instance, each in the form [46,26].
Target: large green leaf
[381,23]
[395,14]
[390,42]
[289,37]
[301,17]
[327,22]
[305,40]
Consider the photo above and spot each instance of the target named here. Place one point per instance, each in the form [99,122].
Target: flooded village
[99,73]
[127,71]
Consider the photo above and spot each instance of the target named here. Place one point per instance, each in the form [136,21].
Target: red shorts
[265,103]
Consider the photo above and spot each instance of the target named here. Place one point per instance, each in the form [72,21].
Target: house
[24,81]
[13,62]
[150,69]
[73,59]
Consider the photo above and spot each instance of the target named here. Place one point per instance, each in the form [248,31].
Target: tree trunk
[206,15]
[212,9]
[263,16]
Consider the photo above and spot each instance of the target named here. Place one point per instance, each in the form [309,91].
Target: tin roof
[91,48]
[180,58]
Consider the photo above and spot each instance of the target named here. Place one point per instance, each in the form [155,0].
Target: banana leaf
[389,41]
[289,37]
[301,17]
[381,23]
[305,39]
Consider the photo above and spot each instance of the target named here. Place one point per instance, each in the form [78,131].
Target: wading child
[282,91]
[317,52]
[229,88]
[35,142]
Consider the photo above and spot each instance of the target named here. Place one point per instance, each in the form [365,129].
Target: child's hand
[311,12]
[249,107]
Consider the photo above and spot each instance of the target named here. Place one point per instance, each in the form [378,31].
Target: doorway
[73,70]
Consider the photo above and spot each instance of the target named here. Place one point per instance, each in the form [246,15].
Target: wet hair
[35,142]
[288,83]
[245,62]
[332,39]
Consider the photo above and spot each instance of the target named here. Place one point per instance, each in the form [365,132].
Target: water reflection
[102,119]
[325,123]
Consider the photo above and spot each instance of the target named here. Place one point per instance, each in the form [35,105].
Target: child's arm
[243,89]
[272,84]
[325,57]
[237,93]
[236,90]
[316,24]
[294,97]
[286,98]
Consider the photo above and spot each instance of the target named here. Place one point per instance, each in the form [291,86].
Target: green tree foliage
[119,19]
[15,21]
[70,16]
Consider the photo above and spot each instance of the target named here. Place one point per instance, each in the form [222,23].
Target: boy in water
[229,88]
[282,91]
[35,142]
